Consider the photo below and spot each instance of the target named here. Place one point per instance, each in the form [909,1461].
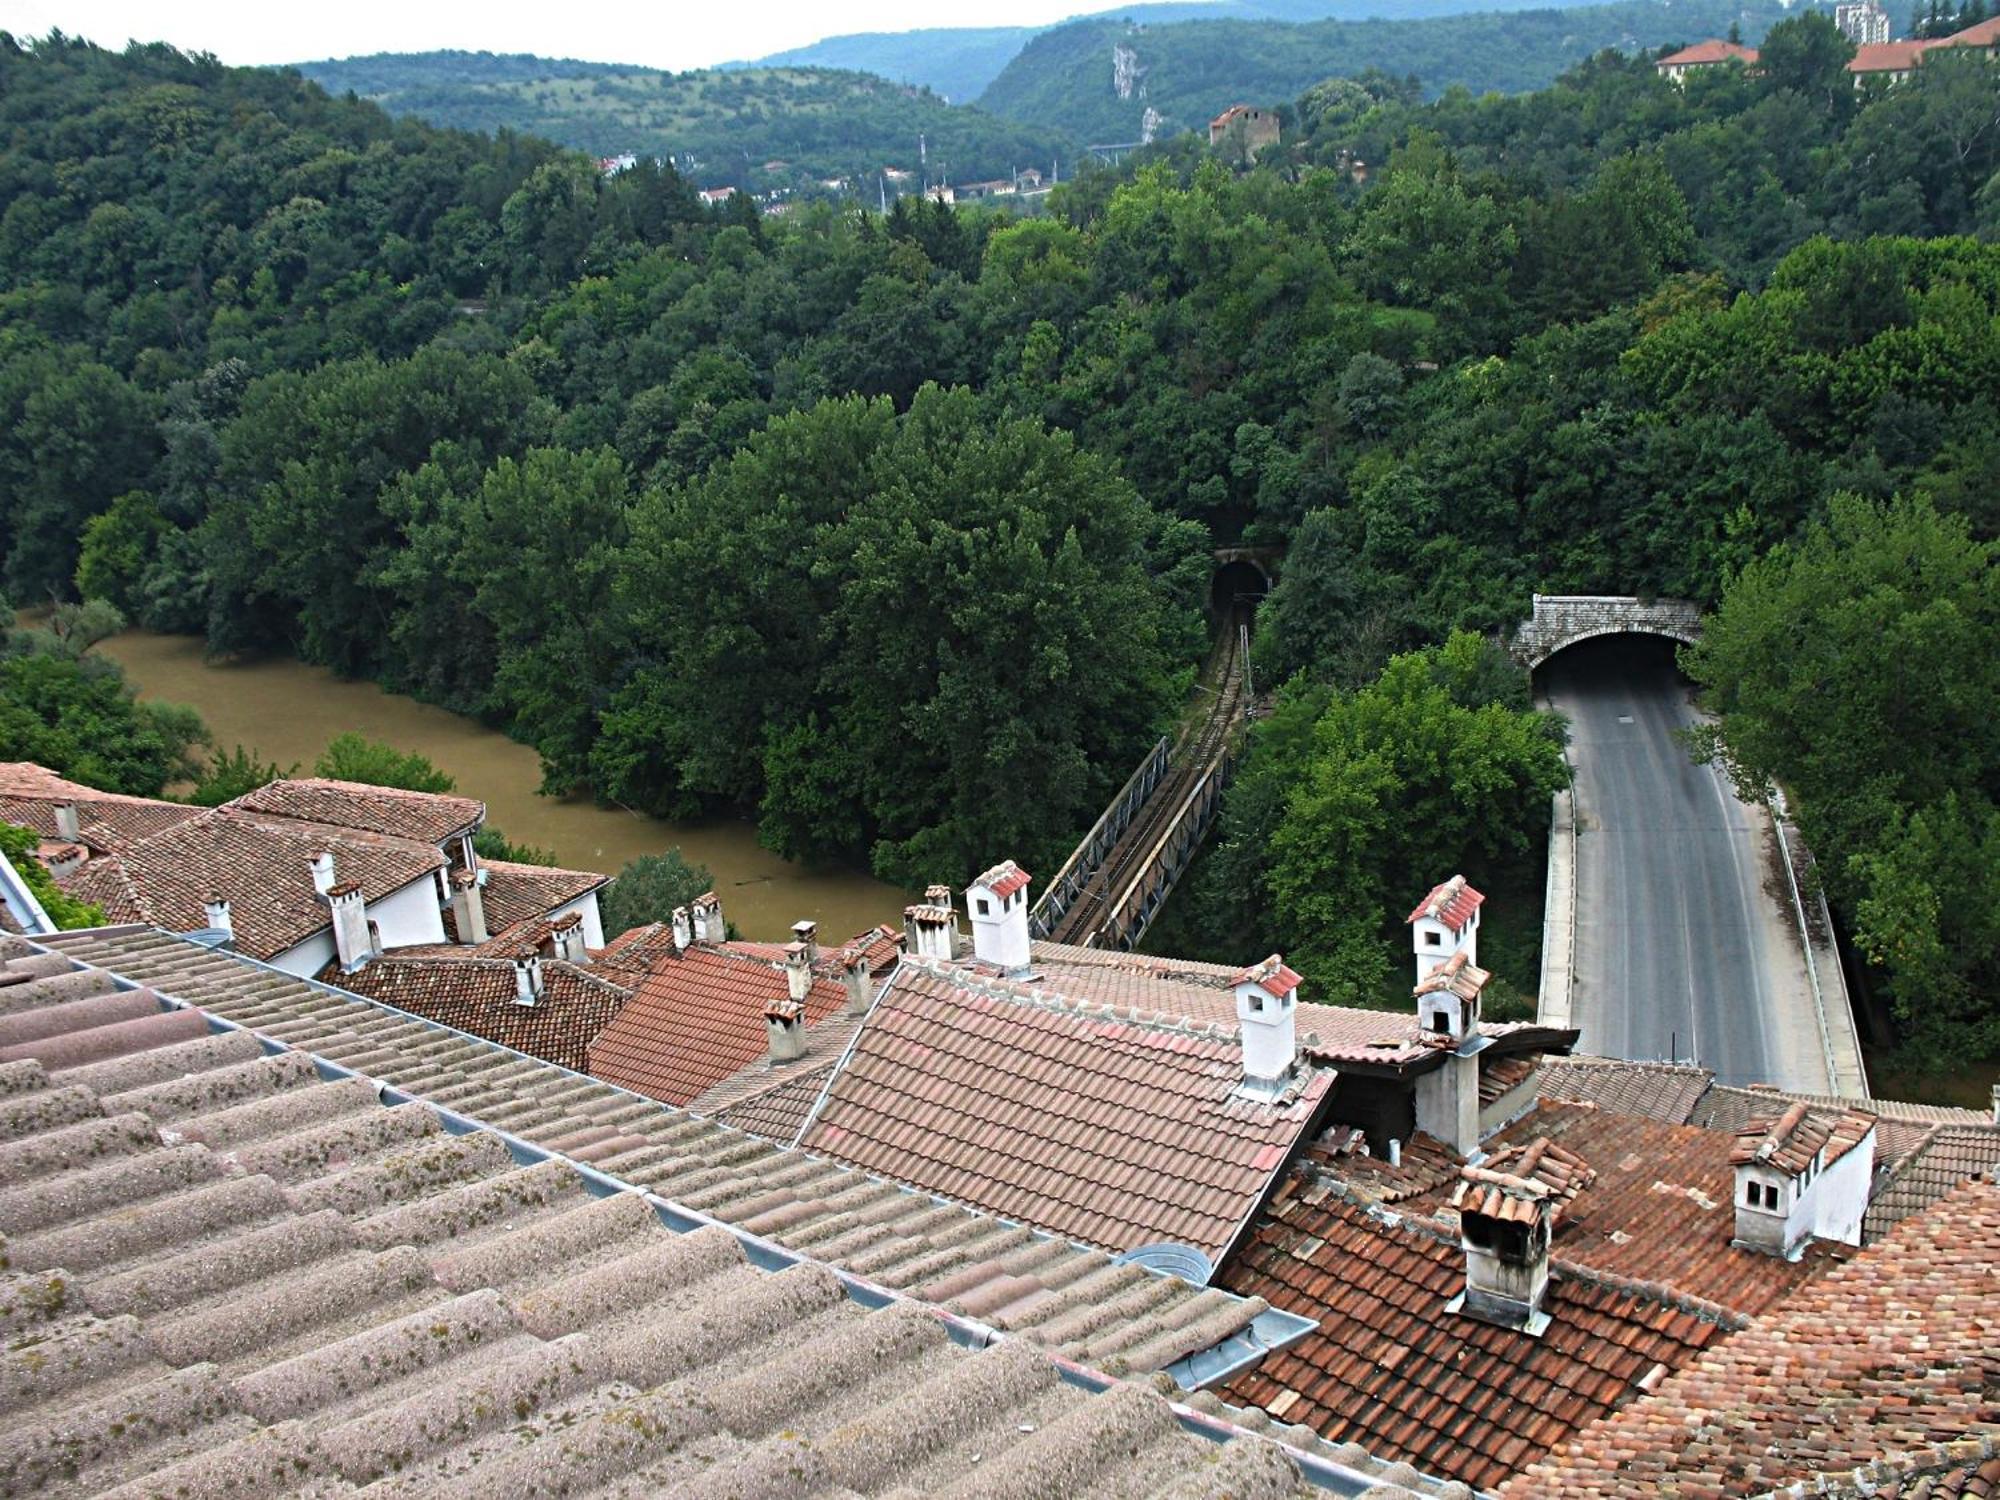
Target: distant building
[1894,61]
[1864,23]
[611,166]
[1243,130]
[1712,53]
[716,197]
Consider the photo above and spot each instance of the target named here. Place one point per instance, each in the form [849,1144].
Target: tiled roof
[1270,975]
[1713,50]
[1791,1140]
[1897,1349]
[262,865]
[1451,902]
[1889,57]
[1003,879]
[695,1020]
[1070,957]
[481,995]
[1458,974]
[1513,1181]
[1660,1091]
[30,795]
[773,1100]
[1504,1073]
[1727,1107]
[1947,1156]
[1391,1369]
[1069,1298]
[1072,1117]
[1660,1209]
[374,809]
[229,1275]
[524,893]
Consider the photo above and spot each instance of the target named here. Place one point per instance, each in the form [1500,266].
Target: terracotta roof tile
[1660,1091]
[1895,1350]
[1947,1156]
[481,996]
[30,795]
[1004,879]
[1451,902]
[1792,1139]
[374,809]
[695,1020]
[1713,50]
[1071,1116]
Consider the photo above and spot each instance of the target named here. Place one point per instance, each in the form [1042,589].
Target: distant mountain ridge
[759,128]
[959,62]
[1119,81]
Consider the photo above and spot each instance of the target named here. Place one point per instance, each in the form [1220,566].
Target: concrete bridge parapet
[1561,620]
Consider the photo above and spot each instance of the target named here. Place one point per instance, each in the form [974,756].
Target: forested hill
[960,61]
[893,532]
[723,127]
[1101,80]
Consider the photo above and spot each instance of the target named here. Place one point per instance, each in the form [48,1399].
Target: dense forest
[759,129]
[894,529]
[1114,79]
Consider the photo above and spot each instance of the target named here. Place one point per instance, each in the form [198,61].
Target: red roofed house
[1243,130]
[1712,53]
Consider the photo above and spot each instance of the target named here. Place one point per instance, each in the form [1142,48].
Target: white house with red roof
[1712,53]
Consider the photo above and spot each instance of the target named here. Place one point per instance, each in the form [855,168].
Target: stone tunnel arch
[1560,621]
[1238,582]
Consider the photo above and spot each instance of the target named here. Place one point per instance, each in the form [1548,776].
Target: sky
[679,34]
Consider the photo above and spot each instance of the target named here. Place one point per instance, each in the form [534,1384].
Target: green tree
[1809,54]
[77,717]
[19,845]
[233,774]
[649,888]
[353,757]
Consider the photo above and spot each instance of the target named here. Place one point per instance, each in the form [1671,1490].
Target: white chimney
[1804,1175]
[1268,1022]
[798,970]
[940,897]
[927,931]
[997,903]
[1445,924]
[566,938]
[468,907]
[1508,1206]
[683,929]
[708,924]
[527,978]
[854,974]
[806,935]
[1996,1104]
[64,860]
[322,872]
[351,942]
[215,914]
[786,1022]
[69,827]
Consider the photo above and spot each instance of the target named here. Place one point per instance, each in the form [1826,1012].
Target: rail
[1089,855]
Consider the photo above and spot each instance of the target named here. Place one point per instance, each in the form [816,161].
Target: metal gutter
[22,902]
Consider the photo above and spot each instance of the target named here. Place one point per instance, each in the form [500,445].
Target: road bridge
[1560,621]
[1119,877]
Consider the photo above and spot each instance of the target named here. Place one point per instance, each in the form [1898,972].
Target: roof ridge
[1056,1002]
[1896,1468]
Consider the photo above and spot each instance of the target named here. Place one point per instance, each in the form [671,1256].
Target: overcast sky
[679,34]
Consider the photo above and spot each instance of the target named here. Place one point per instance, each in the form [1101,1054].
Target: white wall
[1839,1195]
[409,915]
[593,921]
[308,958]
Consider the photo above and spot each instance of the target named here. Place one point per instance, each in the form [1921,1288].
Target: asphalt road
[1685,943]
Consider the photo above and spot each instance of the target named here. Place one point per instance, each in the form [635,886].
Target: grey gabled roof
[230,1268]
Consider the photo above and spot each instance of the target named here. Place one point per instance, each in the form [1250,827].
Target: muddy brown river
[286,711]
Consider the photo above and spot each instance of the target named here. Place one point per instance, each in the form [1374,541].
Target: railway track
[1102,910]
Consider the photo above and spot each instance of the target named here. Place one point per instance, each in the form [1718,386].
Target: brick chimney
[468,907]
[1508,1207]
[69,825]
[566,939]
[997,903]
[1446,924]
[322,872]
[708,924]
[352,944]
[64,861]
[860,983]
[806,935]
[928,931]
[798,970]
[527,978]
[215,914]
[786,1022]
[1802,1175]
[1268,1021]
[683,929]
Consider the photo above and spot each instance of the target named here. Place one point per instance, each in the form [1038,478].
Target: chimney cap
[795,952]
[464,878]
[1451,903]
[928,914]
[1270,976]
[342,891]
[564,923]
[708,898]
[1003,879]
[1458,974]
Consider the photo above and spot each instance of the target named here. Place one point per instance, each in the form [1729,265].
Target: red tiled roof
[374,809]
[1070,1117]
[1515,1179]
[1003,879]
[1714,50]
[1895,1350]
[30,795]
[695,1020]
[1791,1140]
[523,893]
[1458,974]
[1947,1156]
[1389,1368]
[1660,1091]
[1453,902]
[1661,1207]
[478,995]
[1271,975]
[1889,57]
[263,866]
[1979,34]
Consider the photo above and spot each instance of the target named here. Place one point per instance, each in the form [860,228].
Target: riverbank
[286,711]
